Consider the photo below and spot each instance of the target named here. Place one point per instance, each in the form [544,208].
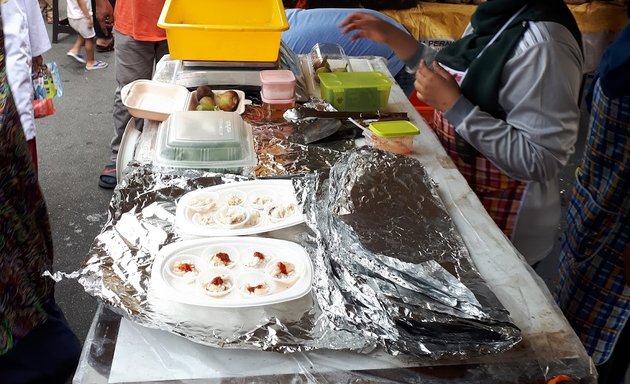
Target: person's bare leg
[89,52]
[76,48]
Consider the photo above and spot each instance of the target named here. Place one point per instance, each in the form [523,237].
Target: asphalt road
[73,146]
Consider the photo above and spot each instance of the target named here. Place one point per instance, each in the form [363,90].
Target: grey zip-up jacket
[540,87]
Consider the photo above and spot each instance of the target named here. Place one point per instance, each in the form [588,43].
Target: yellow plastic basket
[224,30]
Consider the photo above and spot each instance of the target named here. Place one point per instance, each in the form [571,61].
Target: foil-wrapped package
[390,269]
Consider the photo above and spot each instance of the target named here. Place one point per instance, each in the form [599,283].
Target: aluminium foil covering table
[548,347]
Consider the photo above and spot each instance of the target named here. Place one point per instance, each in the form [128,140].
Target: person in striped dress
[594,283]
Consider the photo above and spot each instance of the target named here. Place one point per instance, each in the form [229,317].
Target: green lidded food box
[355,91]
[214,140]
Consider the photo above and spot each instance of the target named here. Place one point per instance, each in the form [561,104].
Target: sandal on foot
[107,179]
[77,56]
[97,65]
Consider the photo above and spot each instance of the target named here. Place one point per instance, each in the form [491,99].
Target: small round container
[216,282]
[232,217]
[392,136]
[280,211]
[254,284]
[277,84]
[205,219]
[203,202]
[261,198]
[221,256]
[255,218]
[257,258]
[234,197]
[282,271]
[184,267]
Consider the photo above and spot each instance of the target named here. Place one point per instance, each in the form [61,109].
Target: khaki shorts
[81,26]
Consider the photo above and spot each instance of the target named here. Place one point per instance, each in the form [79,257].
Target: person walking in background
[104,24]
[594,282]
[36,343]
[80,19]
[26,39]
[312,26]
[506,101]
[138,45]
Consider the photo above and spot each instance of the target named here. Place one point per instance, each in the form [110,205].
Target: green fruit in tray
[227,101]
[206,103]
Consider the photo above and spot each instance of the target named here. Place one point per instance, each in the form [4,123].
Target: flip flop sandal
[107,179]
[77,56]
[97,65]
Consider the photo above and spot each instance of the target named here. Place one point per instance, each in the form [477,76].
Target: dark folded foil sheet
[390,269]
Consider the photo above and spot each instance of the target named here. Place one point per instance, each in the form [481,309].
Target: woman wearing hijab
[506,101]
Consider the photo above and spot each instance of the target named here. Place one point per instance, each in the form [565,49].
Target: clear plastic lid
[205,140]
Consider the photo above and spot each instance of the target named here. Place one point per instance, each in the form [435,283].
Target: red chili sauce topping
[217,281]
[252,289]
[186,267]
[259,255]
[224,257]
[283,268]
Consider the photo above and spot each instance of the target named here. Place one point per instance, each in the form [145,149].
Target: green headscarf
[482,82]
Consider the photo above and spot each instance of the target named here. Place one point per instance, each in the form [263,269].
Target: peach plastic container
[277,84]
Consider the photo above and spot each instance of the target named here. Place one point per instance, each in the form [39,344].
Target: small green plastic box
[355,91]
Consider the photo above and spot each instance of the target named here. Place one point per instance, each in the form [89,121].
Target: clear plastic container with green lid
[215,140]
[355,91]
[394,136]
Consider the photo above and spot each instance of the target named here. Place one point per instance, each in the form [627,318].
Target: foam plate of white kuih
[193,219]
[169,286]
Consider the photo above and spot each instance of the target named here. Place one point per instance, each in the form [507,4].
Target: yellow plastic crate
[224,30]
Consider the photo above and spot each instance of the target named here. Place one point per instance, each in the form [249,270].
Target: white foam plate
[166,286]
[281,189]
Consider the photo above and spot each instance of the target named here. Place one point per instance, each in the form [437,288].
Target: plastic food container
[148,99]
[275,108]
[270,205]
[241,285]
[277,84]
[243,30]
[392,136]
[330,55]
[218,141]
[355,91]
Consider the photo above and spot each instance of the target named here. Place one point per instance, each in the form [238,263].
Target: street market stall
[125,346]
[244,245]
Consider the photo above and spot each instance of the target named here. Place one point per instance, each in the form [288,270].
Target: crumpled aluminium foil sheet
[390,265]
[363,297]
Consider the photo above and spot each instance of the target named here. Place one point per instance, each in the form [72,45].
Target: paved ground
[73,146]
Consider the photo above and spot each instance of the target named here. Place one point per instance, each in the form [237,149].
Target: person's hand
[37,63]
[436,87]
[104,15]
[90,23]
[368,26]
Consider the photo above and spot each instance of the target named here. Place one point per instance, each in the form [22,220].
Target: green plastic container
[355,91]
[205,140]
